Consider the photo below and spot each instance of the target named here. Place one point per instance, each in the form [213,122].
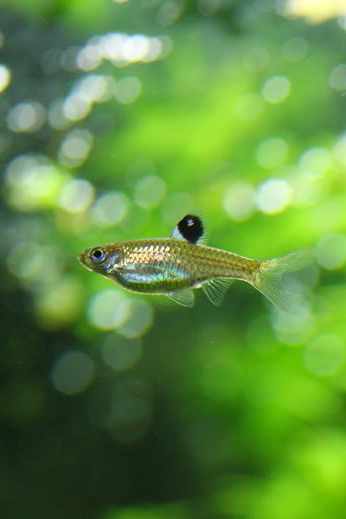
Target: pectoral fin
[215,289]
[184,297]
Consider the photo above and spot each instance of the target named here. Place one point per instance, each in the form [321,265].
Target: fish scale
[175,263]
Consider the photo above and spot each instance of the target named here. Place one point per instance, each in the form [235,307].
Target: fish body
[168,264]
[176,265]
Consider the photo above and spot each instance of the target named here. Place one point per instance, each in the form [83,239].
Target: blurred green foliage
[116,119]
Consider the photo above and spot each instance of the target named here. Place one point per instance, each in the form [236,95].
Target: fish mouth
[82,258]
[83,261]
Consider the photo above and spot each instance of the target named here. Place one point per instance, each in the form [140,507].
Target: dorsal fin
[190,228]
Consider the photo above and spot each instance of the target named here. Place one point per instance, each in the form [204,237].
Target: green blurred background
[118,117]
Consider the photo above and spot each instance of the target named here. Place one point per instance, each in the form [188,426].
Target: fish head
[103,259]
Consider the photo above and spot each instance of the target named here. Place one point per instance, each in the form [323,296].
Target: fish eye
[98,255]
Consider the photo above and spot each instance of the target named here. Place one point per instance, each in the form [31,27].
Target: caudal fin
[269,279]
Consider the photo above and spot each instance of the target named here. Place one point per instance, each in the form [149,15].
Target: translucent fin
[176,234]
[215,289]
[269,279]
[184,297]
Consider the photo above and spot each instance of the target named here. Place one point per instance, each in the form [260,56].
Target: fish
[177,265]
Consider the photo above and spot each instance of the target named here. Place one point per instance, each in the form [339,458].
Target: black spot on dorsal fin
[191,228]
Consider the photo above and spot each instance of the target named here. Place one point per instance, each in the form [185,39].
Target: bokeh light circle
[72,373]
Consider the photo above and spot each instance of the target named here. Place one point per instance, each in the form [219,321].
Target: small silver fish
[175,266]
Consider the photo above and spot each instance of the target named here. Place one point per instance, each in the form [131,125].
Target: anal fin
[184,297]
[215,289]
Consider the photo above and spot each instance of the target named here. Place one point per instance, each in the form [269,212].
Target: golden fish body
[167,264]
[174,266]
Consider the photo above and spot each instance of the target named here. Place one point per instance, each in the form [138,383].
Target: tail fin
[269,279]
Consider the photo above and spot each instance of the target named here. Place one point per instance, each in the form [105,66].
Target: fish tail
[269,279]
